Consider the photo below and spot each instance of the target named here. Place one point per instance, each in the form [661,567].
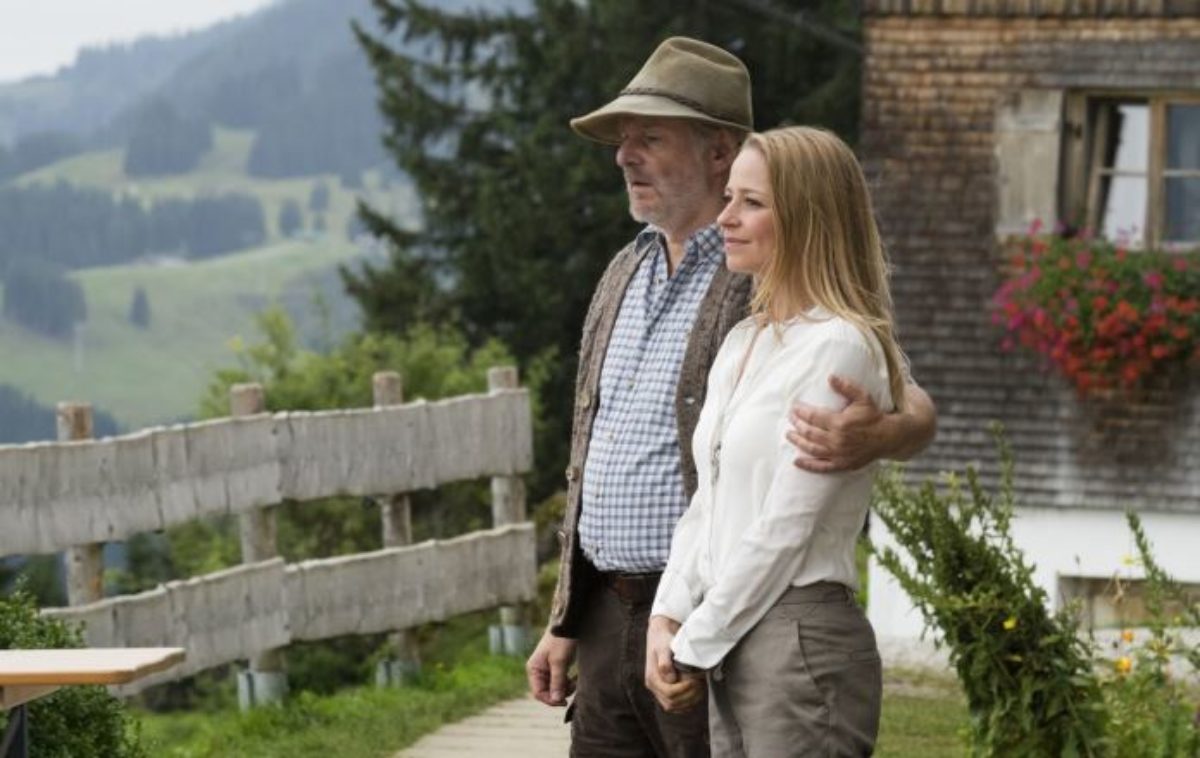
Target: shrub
[1027,675]
[1152,711]
[75,721]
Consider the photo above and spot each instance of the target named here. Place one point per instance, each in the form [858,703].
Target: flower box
[1106,317]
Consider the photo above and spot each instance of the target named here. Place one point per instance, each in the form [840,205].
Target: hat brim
[604,124]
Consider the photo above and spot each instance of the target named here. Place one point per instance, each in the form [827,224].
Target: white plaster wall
[1060,542]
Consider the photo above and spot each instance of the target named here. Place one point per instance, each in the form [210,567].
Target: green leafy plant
[1105,317]
[74,721]
[1027,675]
[1153,712]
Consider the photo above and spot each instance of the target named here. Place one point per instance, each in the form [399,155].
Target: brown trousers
[613,715]
[806,681]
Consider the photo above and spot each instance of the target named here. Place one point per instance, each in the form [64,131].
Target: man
[656,320]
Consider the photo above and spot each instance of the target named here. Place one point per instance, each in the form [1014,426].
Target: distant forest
[292,74]
[77,227]
[23,419]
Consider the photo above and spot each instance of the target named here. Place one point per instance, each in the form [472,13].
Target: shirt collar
[707,240]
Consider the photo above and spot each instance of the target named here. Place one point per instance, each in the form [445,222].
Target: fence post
[403,662]
[508,507]
[85,563]
[264,681]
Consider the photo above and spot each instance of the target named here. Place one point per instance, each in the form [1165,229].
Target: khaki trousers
[806,681]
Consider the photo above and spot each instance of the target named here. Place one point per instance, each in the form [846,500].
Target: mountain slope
[83,97]
[156,375]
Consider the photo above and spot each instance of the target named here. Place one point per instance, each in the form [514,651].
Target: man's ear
[723,150]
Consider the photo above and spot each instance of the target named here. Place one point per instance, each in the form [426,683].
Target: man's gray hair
[706,134]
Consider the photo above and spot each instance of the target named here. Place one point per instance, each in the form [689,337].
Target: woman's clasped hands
[674,690]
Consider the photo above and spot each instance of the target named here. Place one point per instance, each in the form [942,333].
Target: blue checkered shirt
[632,486]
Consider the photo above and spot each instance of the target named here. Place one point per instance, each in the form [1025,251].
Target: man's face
[665,168]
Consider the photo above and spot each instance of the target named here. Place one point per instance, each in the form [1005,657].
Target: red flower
[1101,316]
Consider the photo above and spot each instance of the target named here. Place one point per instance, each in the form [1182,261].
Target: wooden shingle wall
[935,77]
[1036,8]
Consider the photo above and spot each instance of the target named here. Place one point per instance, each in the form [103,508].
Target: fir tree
[318,199]
[521,215]
[291,218]
[139,309]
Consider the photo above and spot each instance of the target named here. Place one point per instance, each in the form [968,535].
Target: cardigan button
[572,473]
[689,400]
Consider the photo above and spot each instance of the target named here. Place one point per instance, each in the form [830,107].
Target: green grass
[924,716]
[147,376]
[918,722]
[359,722]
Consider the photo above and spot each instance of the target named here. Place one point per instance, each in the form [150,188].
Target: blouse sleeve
[775,545]
[678,589]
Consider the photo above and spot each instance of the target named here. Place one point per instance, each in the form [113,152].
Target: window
[1115,603]
[1133,168]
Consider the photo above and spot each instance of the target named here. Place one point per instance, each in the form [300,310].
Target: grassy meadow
[198,308]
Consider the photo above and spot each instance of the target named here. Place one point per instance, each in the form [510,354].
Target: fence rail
[234,614]
[75,494]
[60,494]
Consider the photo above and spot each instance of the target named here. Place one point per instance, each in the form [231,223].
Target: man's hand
[838,440]
[860,433]
[673,691]
[547,669]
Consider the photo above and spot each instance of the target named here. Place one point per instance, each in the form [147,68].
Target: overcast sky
[39,36]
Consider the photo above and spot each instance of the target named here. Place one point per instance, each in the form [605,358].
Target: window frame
[1078,202]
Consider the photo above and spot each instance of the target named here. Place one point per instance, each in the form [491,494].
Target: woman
[758,589]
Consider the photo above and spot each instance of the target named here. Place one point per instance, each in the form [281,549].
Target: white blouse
[757,523]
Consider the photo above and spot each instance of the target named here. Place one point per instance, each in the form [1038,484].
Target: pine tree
[318,199]
[521,215]
[139,309]
[291,218]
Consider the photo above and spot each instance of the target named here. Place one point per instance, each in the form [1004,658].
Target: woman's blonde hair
[827,247]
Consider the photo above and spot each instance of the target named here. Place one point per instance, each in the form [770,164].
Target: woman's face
[747,222]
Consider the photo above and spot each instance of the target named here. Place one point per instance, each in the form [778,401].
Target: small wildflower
[1128,560]
[1127,635]
[1010,623]
[1123,664]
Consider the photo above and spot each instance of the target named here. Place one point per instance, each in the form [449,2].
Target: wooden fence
[75,495]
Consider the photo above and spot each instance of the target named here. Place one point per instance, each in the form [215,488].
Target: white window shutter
[1028,139]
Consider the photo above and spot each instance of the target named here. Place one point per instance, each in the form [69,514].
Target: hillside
[291,102]
[155,375]
[84,96]
[223,169]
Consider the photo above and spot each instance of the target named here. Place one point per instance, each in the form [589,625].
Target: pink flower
[1083,259]
[1153,280]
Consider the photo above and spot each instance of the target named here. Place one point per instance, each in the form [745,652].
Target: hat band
[687,102]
